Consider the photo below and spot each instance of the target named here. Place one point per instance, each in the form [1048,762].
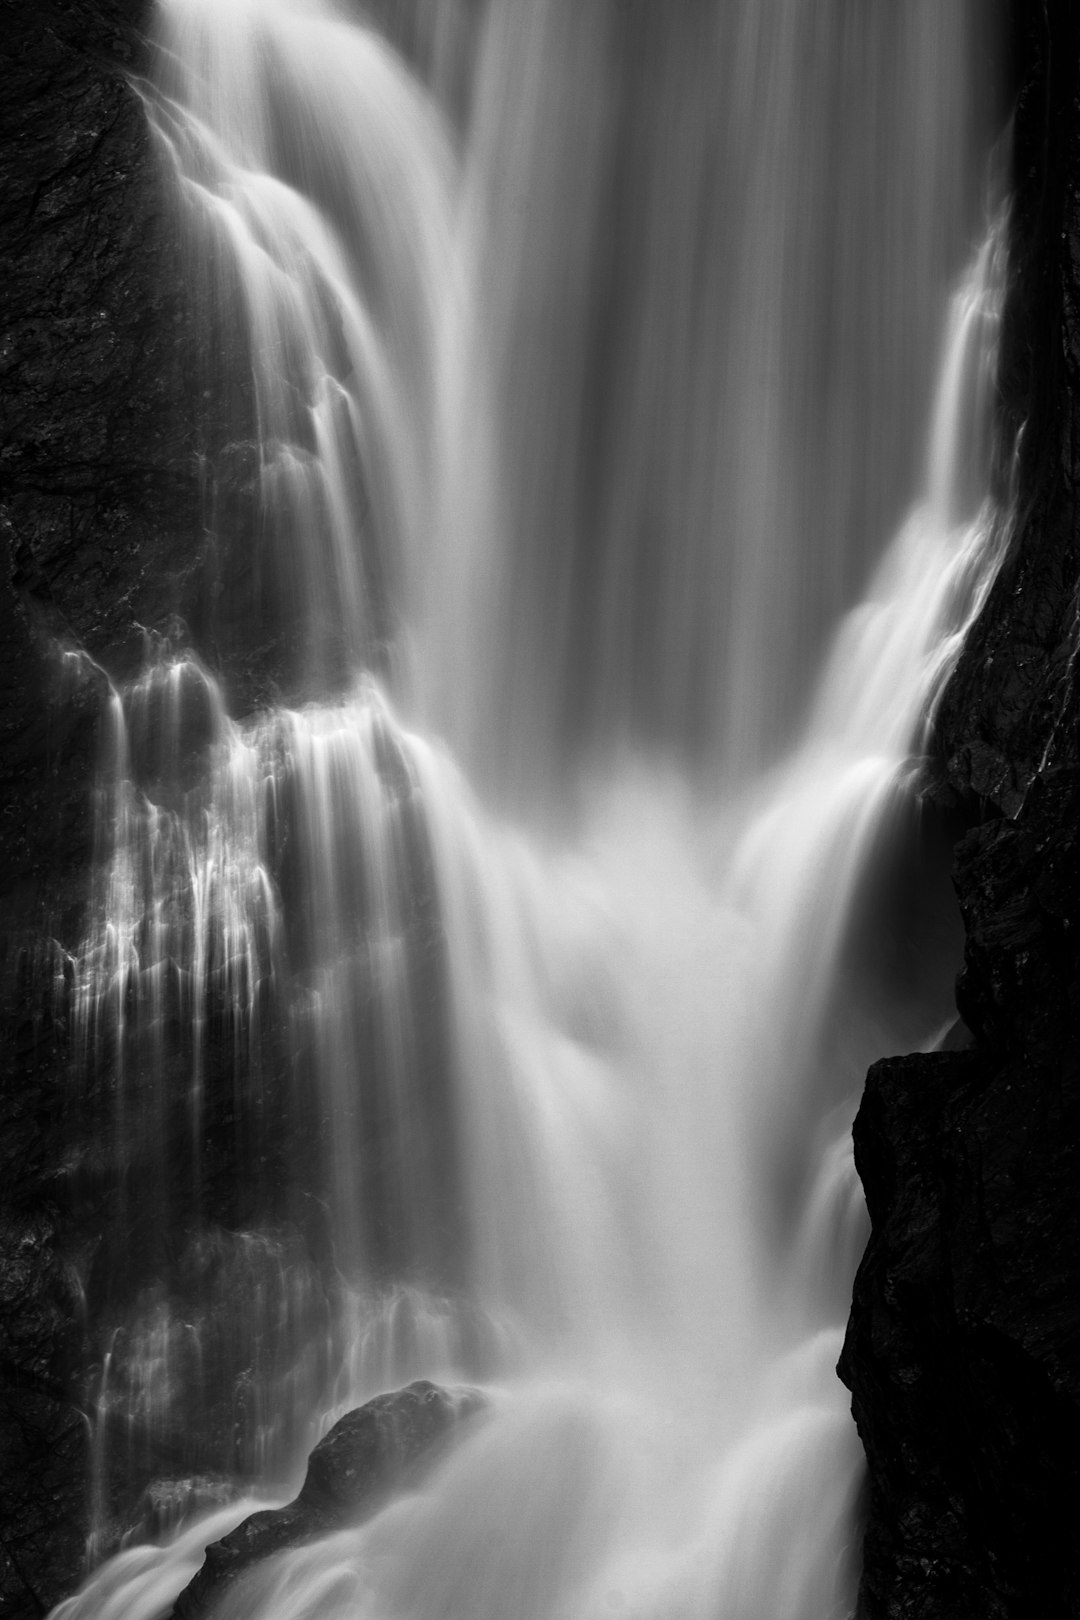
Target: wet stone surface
[963,1347]
[370,1452]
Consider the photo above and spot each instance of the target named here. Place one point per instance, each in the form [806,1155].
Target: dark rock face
[366,1455]
[43,1437]
[166,1504]
[99,501]
[963,1352]
[963,1349]
[100,494]
[126,462]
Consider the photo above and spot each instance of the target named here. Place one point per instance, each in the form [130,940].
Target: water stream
[494,1005]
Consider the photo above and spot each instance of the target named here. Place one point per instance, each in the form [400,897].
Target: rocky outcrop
[963,1349]
[43,1436]
[127,498]
[368,1454]
[99,499]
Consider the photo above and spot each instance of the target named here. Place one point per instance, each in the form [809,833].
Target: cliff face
[123,464]
[963,1349]
[99,498]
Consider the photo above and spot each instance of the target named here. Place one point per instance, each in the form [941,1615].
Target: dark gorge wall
[99,500]
[963,1350]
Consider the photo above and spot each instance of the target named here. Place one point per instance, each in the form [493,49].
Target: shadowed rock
[167,1505]
[367,1455]
[963,1348]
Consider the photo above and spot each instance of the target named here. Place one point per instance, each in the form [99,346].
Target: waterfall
[493,1004]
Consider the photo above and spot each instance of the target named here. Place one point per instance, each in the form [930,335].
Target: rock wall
[99,499]
[125,464]
[963,1349]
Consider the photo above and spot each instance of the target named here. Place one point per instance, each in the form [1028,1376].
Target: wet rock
[368,1454]
[963,1347]
[43,1433]
[963,1350]
[100,499]
[167,1504]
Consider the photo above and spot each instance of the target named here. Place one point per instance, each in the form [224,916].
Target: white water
[566,1094]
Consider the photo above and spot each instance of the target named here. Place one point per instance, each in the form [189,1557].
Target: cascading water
[580,399]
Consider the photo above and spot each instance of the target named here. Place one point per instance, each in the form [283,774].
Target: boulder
[368,1454]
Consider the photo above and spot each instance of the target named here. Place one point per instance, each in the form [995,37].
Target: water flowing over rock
[99,509]
[367,1455]
[499,580]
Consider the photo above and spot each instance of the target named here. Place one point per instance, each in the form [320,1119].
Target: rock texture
[366,1455]
[99,499]
[963,1350]
[127,502]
